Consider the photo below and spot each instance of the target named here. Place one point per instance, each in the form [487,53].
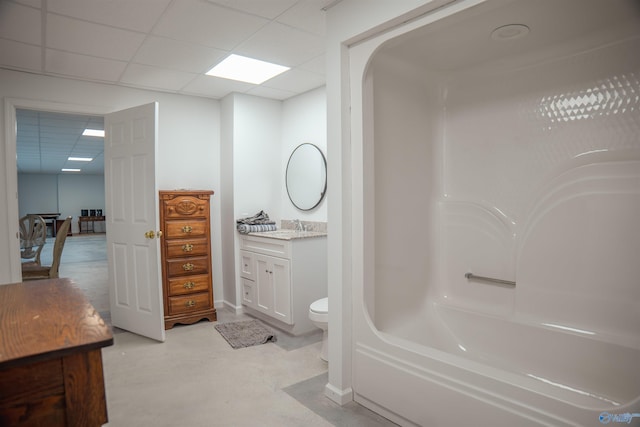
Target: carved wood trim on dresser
[186,257]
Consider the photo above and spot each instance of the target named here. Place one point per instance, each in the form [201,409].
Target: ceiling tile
[20,55]
[154,77]
[76,36]
[215,87]
[178,55]
[282,45]
[207,24]
[317,65]
[306,15]
[295,80]
[20,23]
[267,9]
[267,92]
[32,3]
[138,15]
[82,66]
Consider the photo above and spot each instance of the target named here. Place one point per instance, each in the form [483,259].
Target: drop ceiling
[163,45]
[45,140]
[167,45]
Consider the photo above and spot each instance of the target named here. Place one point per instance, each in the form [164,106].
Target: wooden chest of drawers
[186,257]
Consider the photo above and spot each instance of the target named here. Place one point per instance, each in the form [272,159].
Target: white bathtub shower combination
[509,152]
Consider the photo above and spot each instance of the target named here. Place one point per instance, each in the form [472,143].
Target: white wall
[65,193]
[304,119]
[188,143]
[227,214]
[264,133]
[256,155]
[37,193]
[77,192]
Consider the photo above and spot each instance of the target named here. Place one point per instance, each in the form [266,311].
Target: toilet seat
[320,306]
[319,311]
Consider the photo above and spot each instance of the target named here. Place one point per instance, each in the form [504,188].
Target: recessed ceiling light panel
[93,132]
[248,70]
[70,170]
[80,159]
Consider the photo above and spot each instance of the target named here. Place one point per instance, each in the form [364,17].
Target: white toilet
[319,315]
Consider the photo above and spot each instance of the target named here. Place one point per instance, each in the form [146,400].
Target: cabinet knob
[188,266]
[190,303]
[188,285]
[187,247]
[187,229]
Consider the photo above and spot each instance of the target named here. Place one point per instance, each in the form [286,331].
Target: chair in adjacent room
[33,271]
[33,236]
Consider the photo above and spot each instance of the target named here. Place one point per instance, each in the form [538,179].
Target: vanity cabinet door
[281,277]
[264,284]
[273,287]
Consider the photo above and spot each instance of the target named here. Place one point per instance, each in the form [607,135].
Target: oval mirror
[306,176]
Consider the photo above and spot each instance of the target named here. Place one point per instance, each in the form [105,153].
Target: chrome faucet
[298,224]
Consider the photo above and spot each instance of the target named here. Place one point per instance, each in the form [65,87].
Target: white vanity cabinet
[281,277]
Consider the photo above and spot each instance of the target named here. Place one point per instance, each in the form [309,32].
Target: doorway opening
[60,173]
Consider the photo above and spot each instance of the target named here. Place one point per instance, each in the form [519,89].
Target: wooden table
[50,356]
[89,220]
[50,221]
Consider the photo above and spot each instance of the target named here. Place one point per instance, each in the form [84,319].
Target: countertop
[287,234]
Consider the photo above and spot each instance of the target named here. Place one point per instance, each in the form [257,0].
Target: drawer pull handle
[190,303]
[187,247]
[187,229]
[189,285]
[188,266]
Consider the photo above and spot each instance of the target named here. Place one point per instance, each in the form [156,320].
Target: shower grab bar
[470,276]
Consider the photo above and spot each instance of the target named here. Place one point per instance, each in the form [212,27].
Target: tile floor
[195,378]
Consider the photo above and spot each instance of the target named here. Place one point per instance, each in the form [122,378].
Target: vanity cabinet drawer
[248,293]
[266,246]
[189,303]
[186,206]
[188,284]
[187,266]
[183,248]
[247,265]
[184,229]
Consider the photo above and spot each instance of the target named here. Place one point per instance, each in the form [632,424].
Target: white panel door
[135,288]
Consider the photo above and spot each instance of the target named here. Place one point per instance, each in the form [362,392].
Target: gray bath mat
[245,333]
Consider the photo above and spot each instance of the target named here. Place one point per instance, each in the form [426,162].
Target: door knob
[150,234]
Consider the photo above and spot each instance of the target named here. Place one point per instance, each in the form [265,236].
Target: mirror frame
[286,177]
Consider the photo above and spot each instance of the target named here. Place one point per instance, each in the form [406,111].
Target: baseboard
[237,309]
[341,397]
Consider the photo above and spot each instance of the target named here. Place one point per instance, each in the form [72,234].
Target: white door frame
[11,167]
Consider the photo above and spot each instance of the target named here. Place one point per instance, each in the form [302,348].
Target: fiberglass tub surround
[513,156]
